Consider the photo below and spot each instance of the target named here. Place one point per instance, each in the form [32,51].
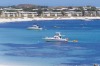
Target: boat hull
[31,28]
[55,40]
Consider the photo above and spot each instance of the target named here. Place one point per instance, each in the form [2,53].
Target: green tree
[91,9]
[28,9]
[0,13]
[11,10]
[82,10]
[39,12]
[63,14]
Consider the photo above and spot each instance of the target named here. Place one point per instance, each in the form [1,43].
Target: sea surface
[22,47]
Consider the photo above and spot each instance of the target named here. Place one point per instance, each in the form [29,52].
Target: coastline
[4,20]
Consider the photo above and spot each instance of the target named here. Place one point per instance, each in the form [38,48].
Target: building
[67,14]
[18,14]
[51,14]
[9,14]
[90,13]
[28,14]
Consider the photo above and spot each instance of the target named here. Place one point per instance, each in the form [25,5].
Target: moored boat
[56,38]
[34,27]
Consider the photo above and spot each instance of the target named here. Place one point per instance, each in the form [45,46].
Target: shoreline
[4,20]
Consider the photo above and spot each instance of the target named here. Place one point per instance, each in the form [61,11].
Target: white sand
[4,20]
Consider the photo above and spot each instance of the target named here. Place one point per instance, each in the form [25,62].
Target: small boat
[57,38]
[86,19]
[34,27]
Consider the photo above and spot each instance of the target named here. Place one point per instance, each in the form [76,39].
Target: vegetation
[89,8]
[63,13]
[28,9]
[0,12]
[39,12]
[82,10]
[11,10]
[40,9]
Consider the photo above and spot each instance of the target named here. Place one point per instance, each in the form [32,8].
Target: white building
[18,14]
[90,13]
[77,14]
[50,13]
[67,14]
[28,14]
[9,14]
[72,13]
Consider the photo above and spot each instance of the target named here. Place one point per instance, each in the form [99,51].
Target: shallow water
[22,47]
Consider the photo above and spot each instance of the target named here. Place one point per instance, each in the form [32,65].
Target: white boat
[86,19]
[57,38]
[34,27]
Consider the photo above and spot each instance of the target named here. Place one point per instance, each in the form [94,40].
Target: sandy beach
[4,20]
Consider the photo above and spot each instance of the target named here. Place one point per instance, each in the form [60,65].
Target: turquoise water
[22,47]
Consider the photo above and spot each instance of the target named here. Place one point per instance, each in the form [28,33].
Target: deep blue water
[22,47]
